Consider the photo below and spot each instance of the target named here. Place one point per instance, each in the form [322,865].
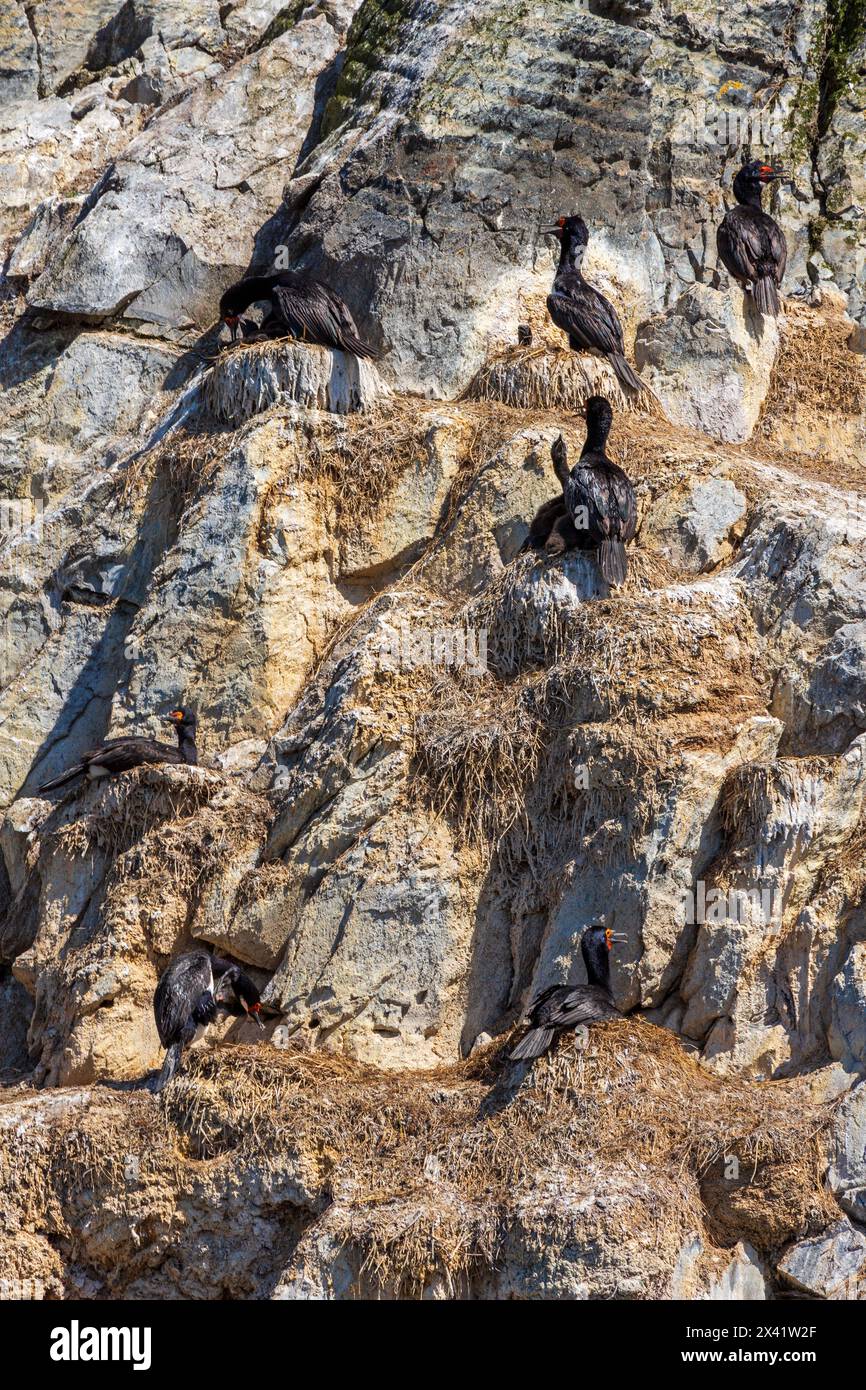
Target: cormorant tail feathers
[612,562]
[352,344]
[64,777]
[626,373]
[766,295]
[535,1044]
[169,1067]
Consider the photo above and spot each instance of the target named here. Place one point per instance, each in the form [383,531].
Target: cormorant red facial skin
[582,312]
[121,754]
[190,994]
[568,1006]
[600,502]
[300,307]
[751,246]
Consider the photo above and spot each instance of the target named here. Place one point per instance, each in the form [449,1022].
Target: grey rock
[847,1035]
[832,1265]
[694,524]
[19,56]
[724,353]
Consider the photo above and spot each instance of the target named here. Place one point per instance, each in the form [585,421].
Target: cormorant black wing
[178,995]
[585,315]
[314,311]
[605,491]
[751,244]
[565,1006]
[119,755]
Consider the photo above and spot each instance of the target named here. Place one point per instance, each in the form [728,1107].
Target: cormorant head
[232,305]
[759,171]
[570,229]
[752,177]
[599,416]
[182,717]
[601,935]
[248,997]
[595,947]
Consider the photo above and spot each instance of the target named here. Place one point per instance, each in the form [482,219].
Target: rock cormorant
[302,307]
[121,754]
[751,245]
[582,312]
[190,994]
[567,1006]
[600,502]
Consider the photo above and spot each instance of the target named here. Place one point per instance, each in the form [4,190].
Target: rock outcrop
[429,757]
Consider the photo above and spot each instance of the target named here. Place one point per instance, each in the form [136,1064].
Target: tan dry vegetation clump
[181,463]
[544,378]
[426,1170]
[166,827]
[671,668]
[815,410]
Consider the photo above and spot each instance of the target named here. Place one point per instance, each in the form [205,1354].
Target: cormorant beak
[255,1011]
[232,320]
[174,717]
[767,173]
[552,231]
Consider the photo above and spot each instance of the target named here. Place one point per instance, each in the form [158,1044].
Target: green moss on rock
[373,35]
[282,22]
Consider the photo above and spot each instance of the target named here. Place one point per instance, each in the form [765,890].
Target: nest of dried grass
[426,1172]
[246,380]
[160,829]
[542,378]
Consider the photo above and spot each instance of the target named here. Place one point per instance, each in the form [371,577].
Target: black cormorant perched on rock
[751,245]
[582,312]
[568,1006]
[190,994]
[600,501]
[301,306]
[121,754]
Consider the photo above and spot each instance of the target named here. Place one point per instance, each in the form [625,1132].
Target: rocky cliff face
[429,760]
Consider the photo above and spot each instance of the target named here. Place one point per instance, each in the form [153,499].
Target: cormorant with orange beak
[564,1007]
[751,245]
[302,307]
[120,754]
[581,311]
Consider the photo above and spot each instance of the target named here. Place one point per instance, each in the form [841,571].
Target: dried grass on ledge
[541,378]
[656,663]
[165,828]
[250,378]
[182,462]
[425,1172]
[814,365]
[365,455]
[476,746]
